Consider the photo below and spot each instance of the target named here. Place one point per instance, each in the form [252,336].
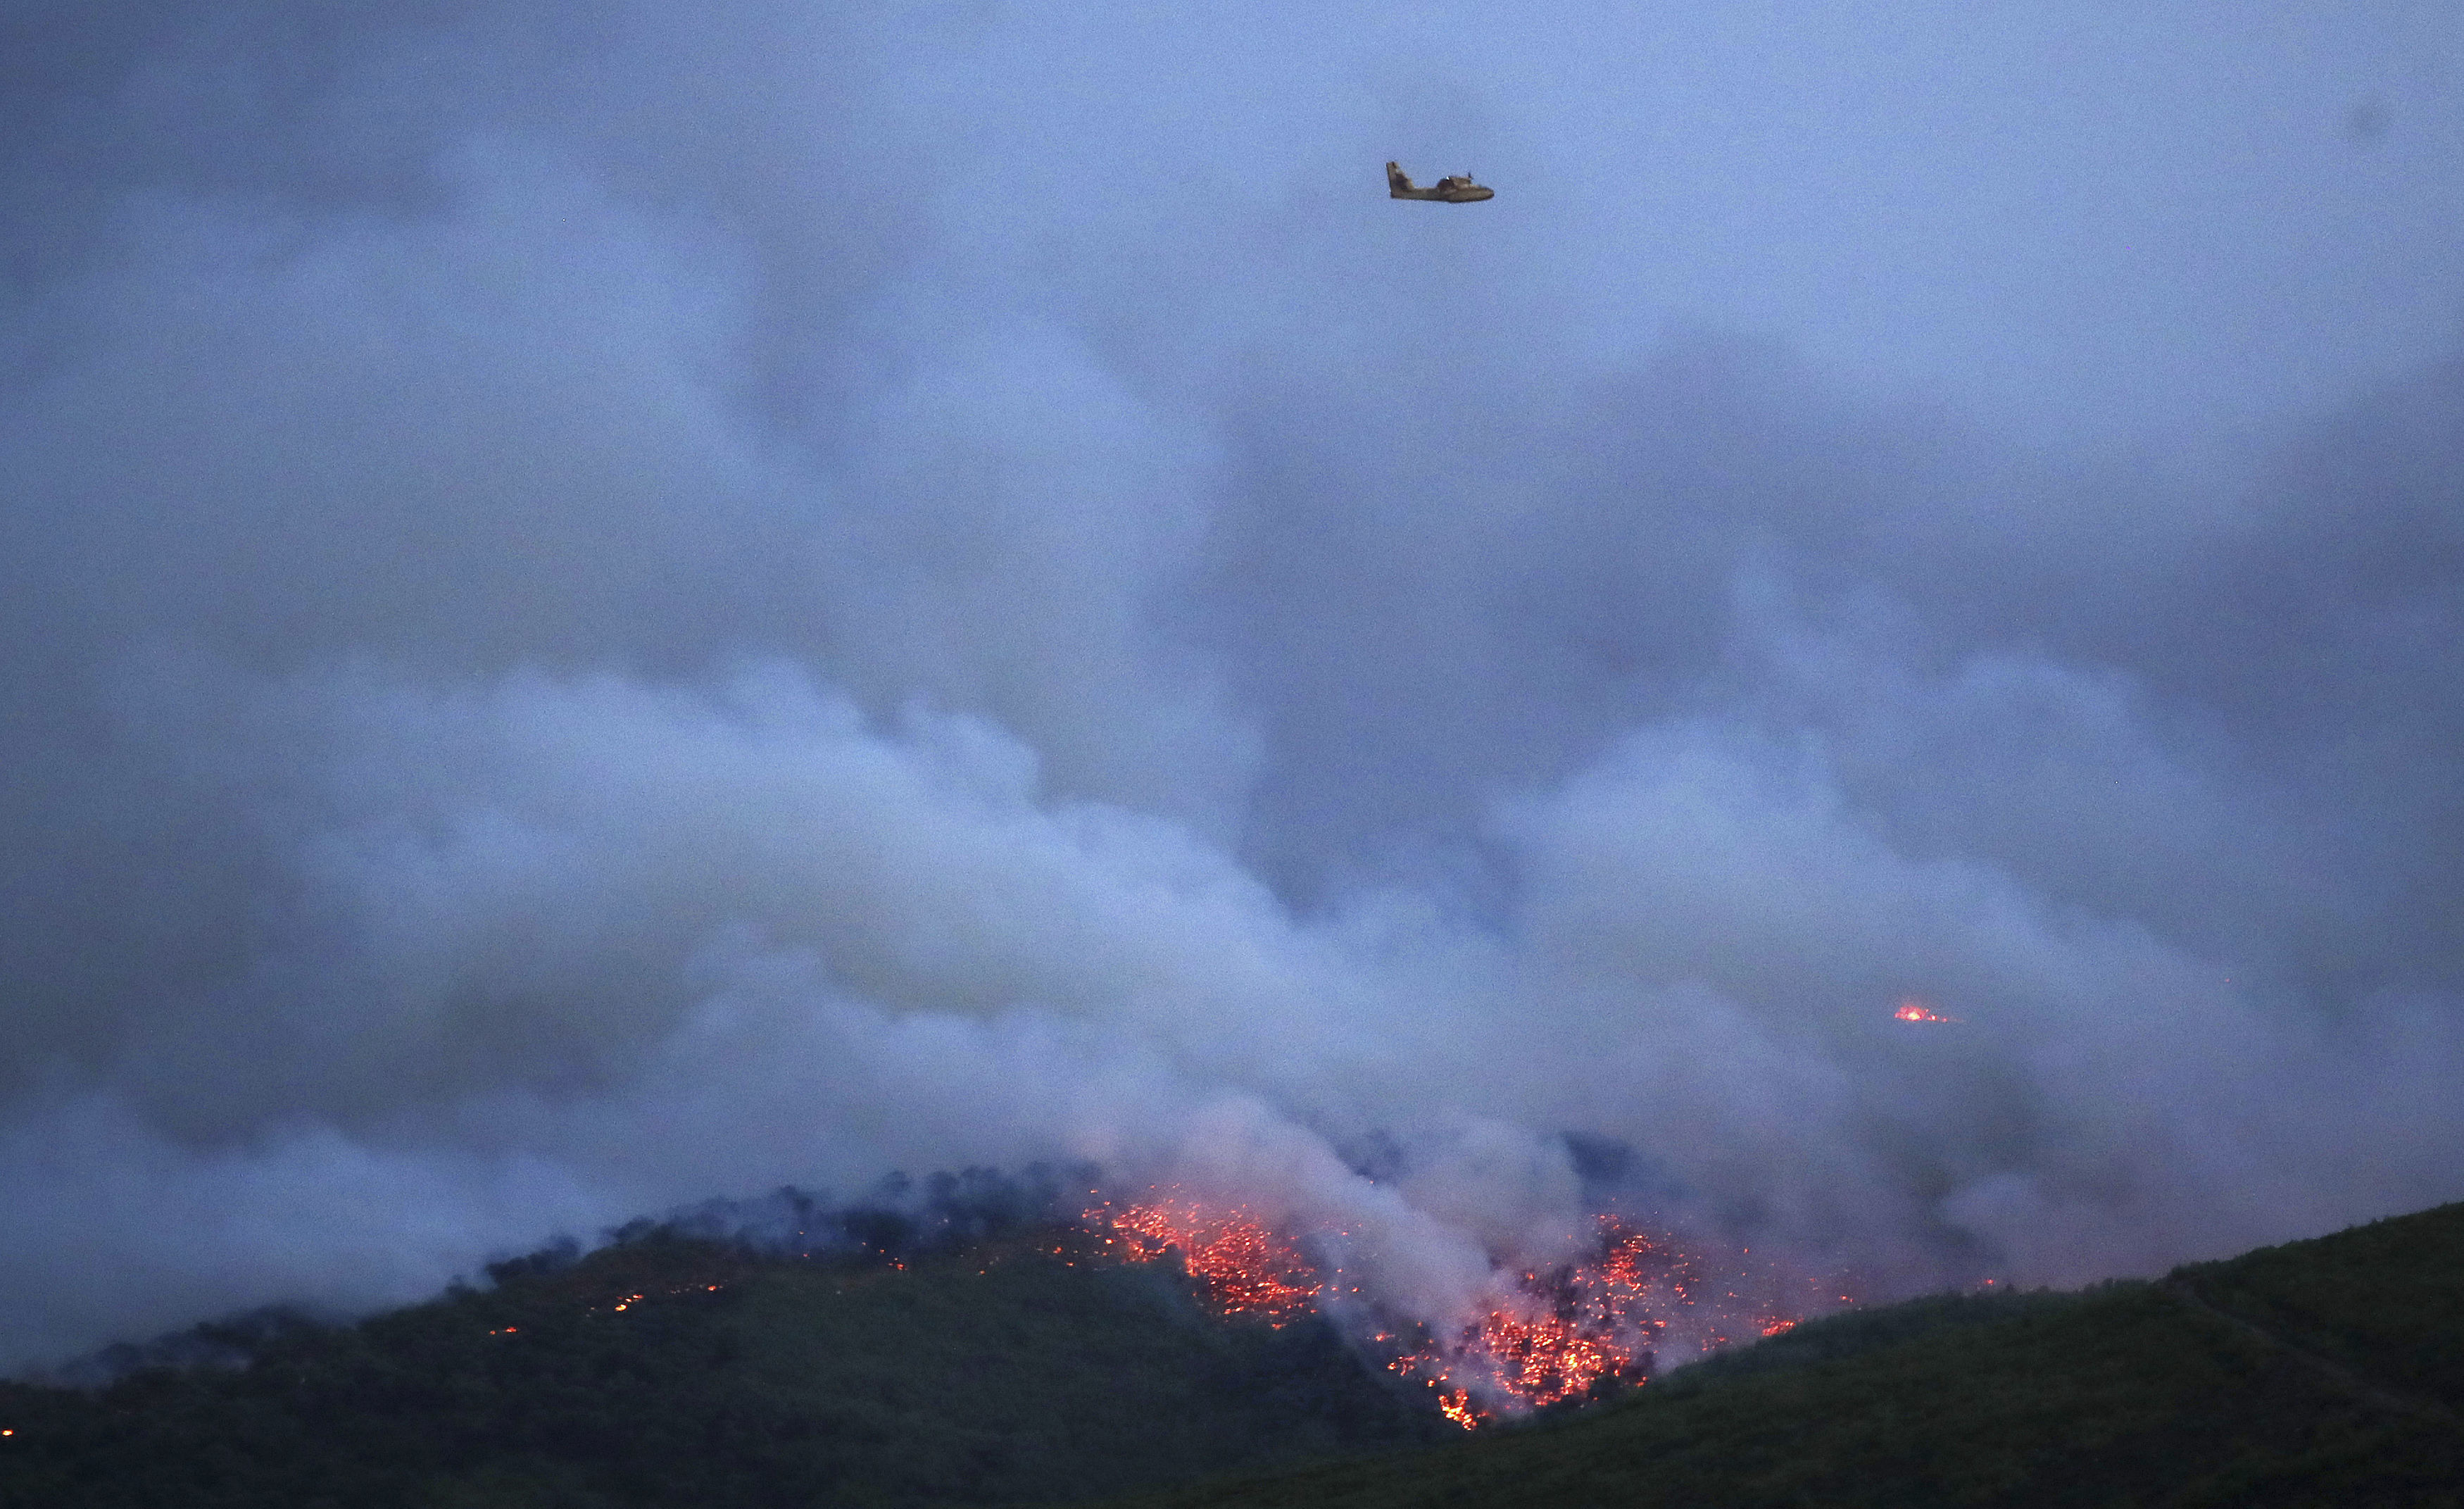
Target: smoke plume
[614,604]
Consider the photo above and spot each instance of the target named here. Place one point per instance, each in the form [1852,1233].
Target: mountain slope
[667,1371]
[2327,1372]
[670,1371]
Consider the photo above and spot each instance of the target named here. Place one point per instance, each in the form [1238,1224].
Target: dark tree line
[939,1342]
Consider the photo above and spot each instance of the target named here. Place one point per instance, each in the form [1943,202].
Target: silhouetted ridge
[2203,1389]
[936,1342]
[899,1217]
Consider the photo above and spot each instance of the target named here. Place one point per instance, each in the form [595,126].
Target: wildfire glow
[626,1301]
[1244,1268]
[1552,1334]
[1912,1009]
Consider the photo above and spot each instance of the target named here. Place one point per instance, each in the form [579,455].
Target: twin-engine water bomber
[1458,190]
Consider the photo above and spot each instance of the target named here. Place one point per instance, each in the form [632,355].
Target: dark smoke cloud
[608,607]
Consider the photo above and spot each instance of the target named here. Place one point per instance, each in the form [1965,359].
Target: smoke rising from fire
[1540,1330]
[608,607]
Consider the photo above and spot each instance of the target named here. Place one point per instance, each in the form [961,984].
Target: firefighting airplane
[1459,190]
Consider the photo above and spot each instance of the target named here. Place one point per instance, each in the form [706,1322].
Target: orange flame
[1566,1332]
[1244,1268]
[1912,1009]
[1550,1335]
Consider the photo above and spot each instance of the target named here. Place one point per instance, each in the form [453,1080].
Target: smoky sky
[612,605]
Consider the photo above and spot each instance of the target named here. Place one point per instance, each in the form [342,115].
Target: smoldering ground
[605,608]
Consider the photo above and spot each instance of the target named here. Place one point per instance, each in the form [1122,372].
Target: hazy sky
[613,604]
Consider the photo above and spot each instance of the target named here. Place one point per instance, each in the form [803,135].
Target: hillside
[672,1371]
[668,1369]
[2324,1372]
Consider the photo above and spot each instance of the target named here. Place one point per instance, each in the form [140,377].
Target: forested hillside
[669,1370]
[1019,1368]
[2327,1372]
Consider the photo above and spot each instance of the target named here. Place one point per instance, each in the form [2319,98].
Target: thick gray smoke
[609,605]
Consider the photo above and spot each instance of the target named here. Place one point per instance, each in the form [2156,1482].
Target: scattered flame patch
[1244,1267]
[618,1303]
[1571,1331]
[1563,1332]
[1912,1009]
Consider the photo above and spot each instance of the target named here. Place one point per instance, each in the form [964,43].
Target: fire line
[1548,1335]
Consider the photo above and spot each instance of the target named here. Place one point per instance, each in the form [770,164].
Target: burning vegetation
[1552,1334]
[1912,1009]
[1243,1267]
[1617,1303]
[956,1356]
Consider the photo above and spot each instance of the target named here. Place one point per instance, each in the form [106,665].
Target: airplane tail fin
[1397,181]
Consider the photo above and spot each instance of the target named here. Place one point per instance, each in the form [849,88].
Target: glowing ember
[626,1301]
[1564,1333]
[1912,1009]
[1550,1335]
[1244,1268]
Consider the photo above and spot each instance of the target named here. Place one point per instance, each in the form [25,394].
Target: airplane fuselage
[1458,190]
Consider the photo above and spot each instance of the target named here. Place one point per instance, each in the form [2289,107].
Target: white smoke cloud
[607,613]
